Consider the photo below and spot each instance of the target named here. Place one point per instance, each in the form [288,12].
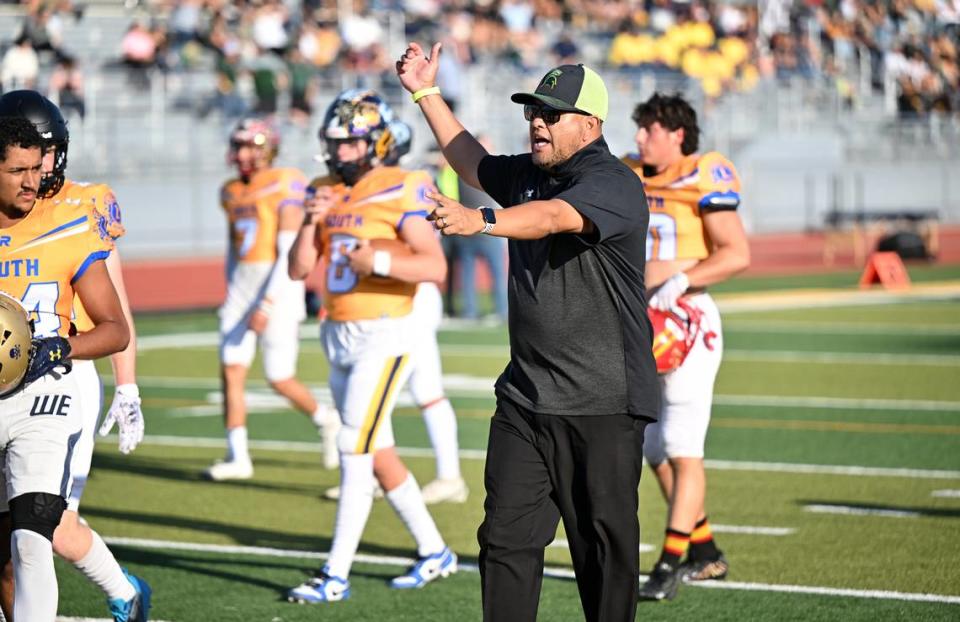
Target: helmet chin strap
[350,172]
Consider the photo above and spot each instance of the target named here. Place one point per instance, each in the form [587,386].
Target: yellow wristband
[433,90]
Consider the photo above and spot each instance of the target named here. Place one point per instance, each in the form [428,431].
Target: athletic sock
[35,594]
[237,448]
[407,502]
[702,544]
[442,427]
[353,510]
[320,416]
[101,567]
[675,545]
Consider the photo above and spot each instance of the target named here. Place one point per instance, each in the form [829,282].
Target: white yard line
[458,385]
[828,469]
[752,531]
[562,543]
[842,403]
[838,328]
[209,340]
[853,510]
[946,494]
[479,454]
[843,358]
[565,573]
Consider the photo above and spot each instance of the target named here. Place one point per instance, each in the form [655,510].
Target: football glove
[125,412]
[670,291]
[46,355]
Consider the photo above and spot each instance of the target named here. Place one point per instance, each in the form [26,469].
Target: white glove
[671,290]
[125,411]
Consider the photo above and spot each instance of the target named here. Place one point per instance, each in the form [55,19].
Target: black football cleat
[663,583]
[705,570]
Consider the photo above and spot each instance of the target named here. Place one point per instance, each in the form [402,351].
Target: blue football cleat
[137,608]
[427,569]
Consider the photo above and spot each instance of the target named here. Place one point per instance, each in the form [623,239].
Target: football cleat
[427,569]
[320,589]
[663,583]
[229,469]
[333,494]
[439,490]
[704,570]
[137,608]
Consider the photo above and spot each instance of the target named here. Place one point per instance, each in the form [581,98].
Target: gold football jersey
[375,208]
[44,254]
[253,210]
[678,196]
[106,218]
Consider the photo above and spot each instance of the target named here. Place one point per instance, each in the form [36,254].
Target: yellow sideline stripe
[834,426]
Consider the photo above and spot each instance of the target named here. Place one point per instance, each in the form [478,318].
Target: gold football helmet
[15,336]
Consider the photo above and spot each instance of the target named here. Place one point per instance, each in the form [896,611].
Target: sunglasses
[549,115]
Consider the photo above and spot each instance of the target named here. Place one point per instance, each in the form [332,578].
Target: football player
[46,256]
[74,540]
[371,229]
[426,376]
[264,208]
[695,239]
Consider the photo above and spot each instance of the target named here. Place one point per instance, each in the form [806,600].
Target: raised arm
[304,253]
[418,74]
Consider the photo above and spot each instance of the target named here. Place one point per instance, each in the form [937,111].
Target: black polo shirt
[580,340]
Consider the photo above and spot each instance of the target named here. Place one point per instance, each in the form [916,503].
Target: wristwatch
[489,218]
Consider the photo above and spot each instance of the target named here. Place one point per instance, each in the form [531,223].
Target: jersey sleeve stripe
[284,203]
[73,223]
[721,200]
[420,212]
[92,257]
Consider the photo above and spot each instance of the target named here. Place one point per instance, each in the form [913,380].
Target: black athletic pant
[541,468]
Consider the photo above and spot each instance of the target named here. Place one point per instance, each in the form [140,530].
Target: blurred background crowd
[260,49]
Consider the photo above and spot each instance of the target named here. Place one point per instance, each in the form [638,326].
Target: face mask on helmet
[402,140]
[51,125]
[263,140]
[357,115]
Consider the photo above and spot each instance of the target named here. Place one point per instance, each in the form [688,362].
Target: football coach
[567,436]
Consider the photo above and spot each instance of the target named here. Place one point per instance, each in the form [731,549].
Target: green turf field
[833,462]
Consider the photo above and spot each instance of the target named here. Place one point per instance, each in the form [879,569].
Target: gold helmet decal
[15,337]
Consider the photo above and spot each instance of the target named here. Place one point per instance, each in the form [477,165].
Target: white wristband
[381,263]
[128,390]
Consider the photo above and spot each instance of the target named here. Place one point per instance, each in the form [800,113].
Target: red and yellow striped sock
[702,545]
[675,545]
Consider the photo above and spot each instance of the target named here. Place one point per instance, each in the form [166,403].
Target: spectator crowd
[259,49]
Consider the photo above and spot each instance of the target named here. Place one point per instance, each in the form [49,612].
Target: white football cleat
[320,589]
[427,569]
[440,490]
[333,494]
[229,469]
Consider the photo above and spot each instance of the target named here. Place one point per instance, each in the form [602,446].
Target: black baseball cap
[569,88]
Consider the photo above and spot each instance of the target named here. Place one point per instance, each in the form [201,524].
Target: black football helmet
[48,120]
